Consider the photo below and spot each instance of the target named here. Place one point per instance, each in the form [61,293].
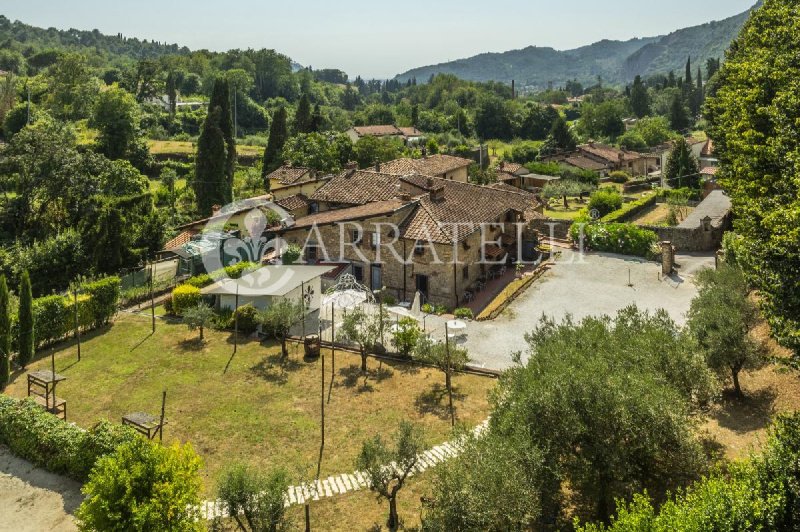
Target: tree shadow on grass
[434,401]
[191,344]
[353,377]
[746,414]
[273,369]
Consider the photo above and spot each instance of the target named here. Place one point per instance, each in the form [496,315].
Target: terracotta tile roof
[357,187]
[411,132]
[512,168]
[434,165]
[289,175]
[377,131]
[229,210]
[182,238]
[709,170]
[461,203]
[579,161]
[504,186]
[506,176]
[609,153]
[359,212]
[293,202]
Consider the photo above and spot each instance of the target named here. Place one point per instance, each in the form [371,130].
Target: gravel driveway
[591,285]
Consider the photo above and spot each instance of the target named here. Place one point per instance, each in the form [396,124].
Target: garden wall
[548,227]
[690,240]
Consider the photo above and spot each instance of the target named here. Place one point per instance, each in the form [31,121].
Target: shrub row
[630,209]
[48,442]
[187,295]
[54,316]
[625,239]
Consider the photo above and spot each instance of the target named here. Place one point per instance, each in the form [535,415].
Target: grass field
[161,147]
[555,208]
[247,407]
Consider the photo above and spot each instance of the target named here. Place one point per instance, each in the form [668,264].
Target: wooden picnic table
[145,423]
[42,387]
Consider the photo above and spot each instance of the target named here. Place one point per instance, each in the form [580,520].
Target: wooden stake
[161,421]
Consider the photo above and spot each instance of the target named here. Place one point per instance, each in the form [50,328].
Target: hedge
[59,447]
[630,209]
[54,315]
[624,239]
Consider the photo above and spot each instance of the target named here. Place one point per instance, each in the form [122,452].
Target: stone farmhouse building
[409,233]
[439,165]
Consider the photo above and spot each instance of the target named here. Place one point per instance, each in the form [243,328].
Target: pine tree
[221,97]
[302,118]
[278,133]
[26,324]
[5,334]
[640,100]
[561,138]
[211,184]
[682,168]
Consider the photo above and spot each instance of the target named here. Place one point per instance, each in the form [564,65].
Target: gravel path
[34,500]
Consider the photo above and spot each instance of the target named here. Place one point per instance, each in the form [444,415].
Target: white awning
[268,281]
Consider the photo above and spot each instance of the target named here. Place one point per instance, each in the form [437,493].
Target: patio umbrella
[402,312]
[416,306]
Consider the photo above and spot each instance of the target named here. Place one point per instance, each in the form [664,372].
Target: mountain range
[616,62]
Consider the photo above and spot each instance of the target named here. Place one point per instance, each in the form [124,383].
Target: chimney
[215,209]
[377,165]
[437,194]
[424,152]
[429,182]
[287,163]
[351,165]
[404,196]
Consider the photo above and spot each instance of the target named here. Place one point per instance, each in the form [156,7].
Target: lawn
[255,410]
[555,208]
[658,215]
[160,147]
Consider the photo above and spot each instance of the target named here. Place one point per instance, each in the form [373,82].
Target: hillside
[615,61]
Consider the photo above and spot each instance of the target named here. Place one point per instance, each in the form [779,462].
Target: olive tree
[255,500]
[363,329]
[721,318]
[279,318]
[198,317]
[387,468]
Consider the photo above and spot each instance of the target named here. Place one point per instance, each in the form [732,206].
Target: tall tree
[210,182]
[26,321]
[688,79]
[561,139]
[221,98]
[752,115]
[678,115]
[682,168]
[317,119]
[302,117]
[278,134]
[5,334]
[640,99]
[116,117]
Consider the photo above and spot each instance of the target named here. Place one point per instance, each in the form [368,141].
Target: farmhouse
[416,233]
[439,165]
[613,159]
[520,177]
[290,180]
[385,131]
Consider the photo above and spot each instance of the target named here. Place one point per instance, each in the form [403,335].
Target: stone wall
[690,240]
[548,227]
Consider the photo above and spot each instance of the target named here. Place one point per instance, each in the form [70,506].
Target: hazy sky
[374,38]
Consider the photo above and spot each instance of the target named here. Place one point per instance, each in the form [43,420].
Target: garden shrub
[464,313]
[183,297]
[620,177]
[200,281]
[247,318]
[48,442]
[605,201]
[625,239]
[144,486]
[427,308]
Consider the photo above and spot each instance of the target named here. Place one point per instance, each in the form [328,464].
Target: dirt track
[32,499]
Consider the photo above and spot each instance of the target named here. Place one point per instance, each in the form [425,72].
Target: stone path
[348,482]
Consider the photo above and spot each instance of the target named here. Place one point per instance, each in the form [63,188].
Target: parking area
[581,285]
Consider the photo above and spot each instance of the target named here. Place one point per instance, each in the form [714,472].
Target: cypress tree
[211,184]
[278,133]
[562,138]
[26,324]
[678,118]
[688,78]
[5,334]
[316,119]
[221,97]
[682,168]
[302,118]
[640,100]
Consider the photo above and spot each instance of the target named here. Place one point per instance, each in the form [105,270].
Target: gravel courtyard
[589,285]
